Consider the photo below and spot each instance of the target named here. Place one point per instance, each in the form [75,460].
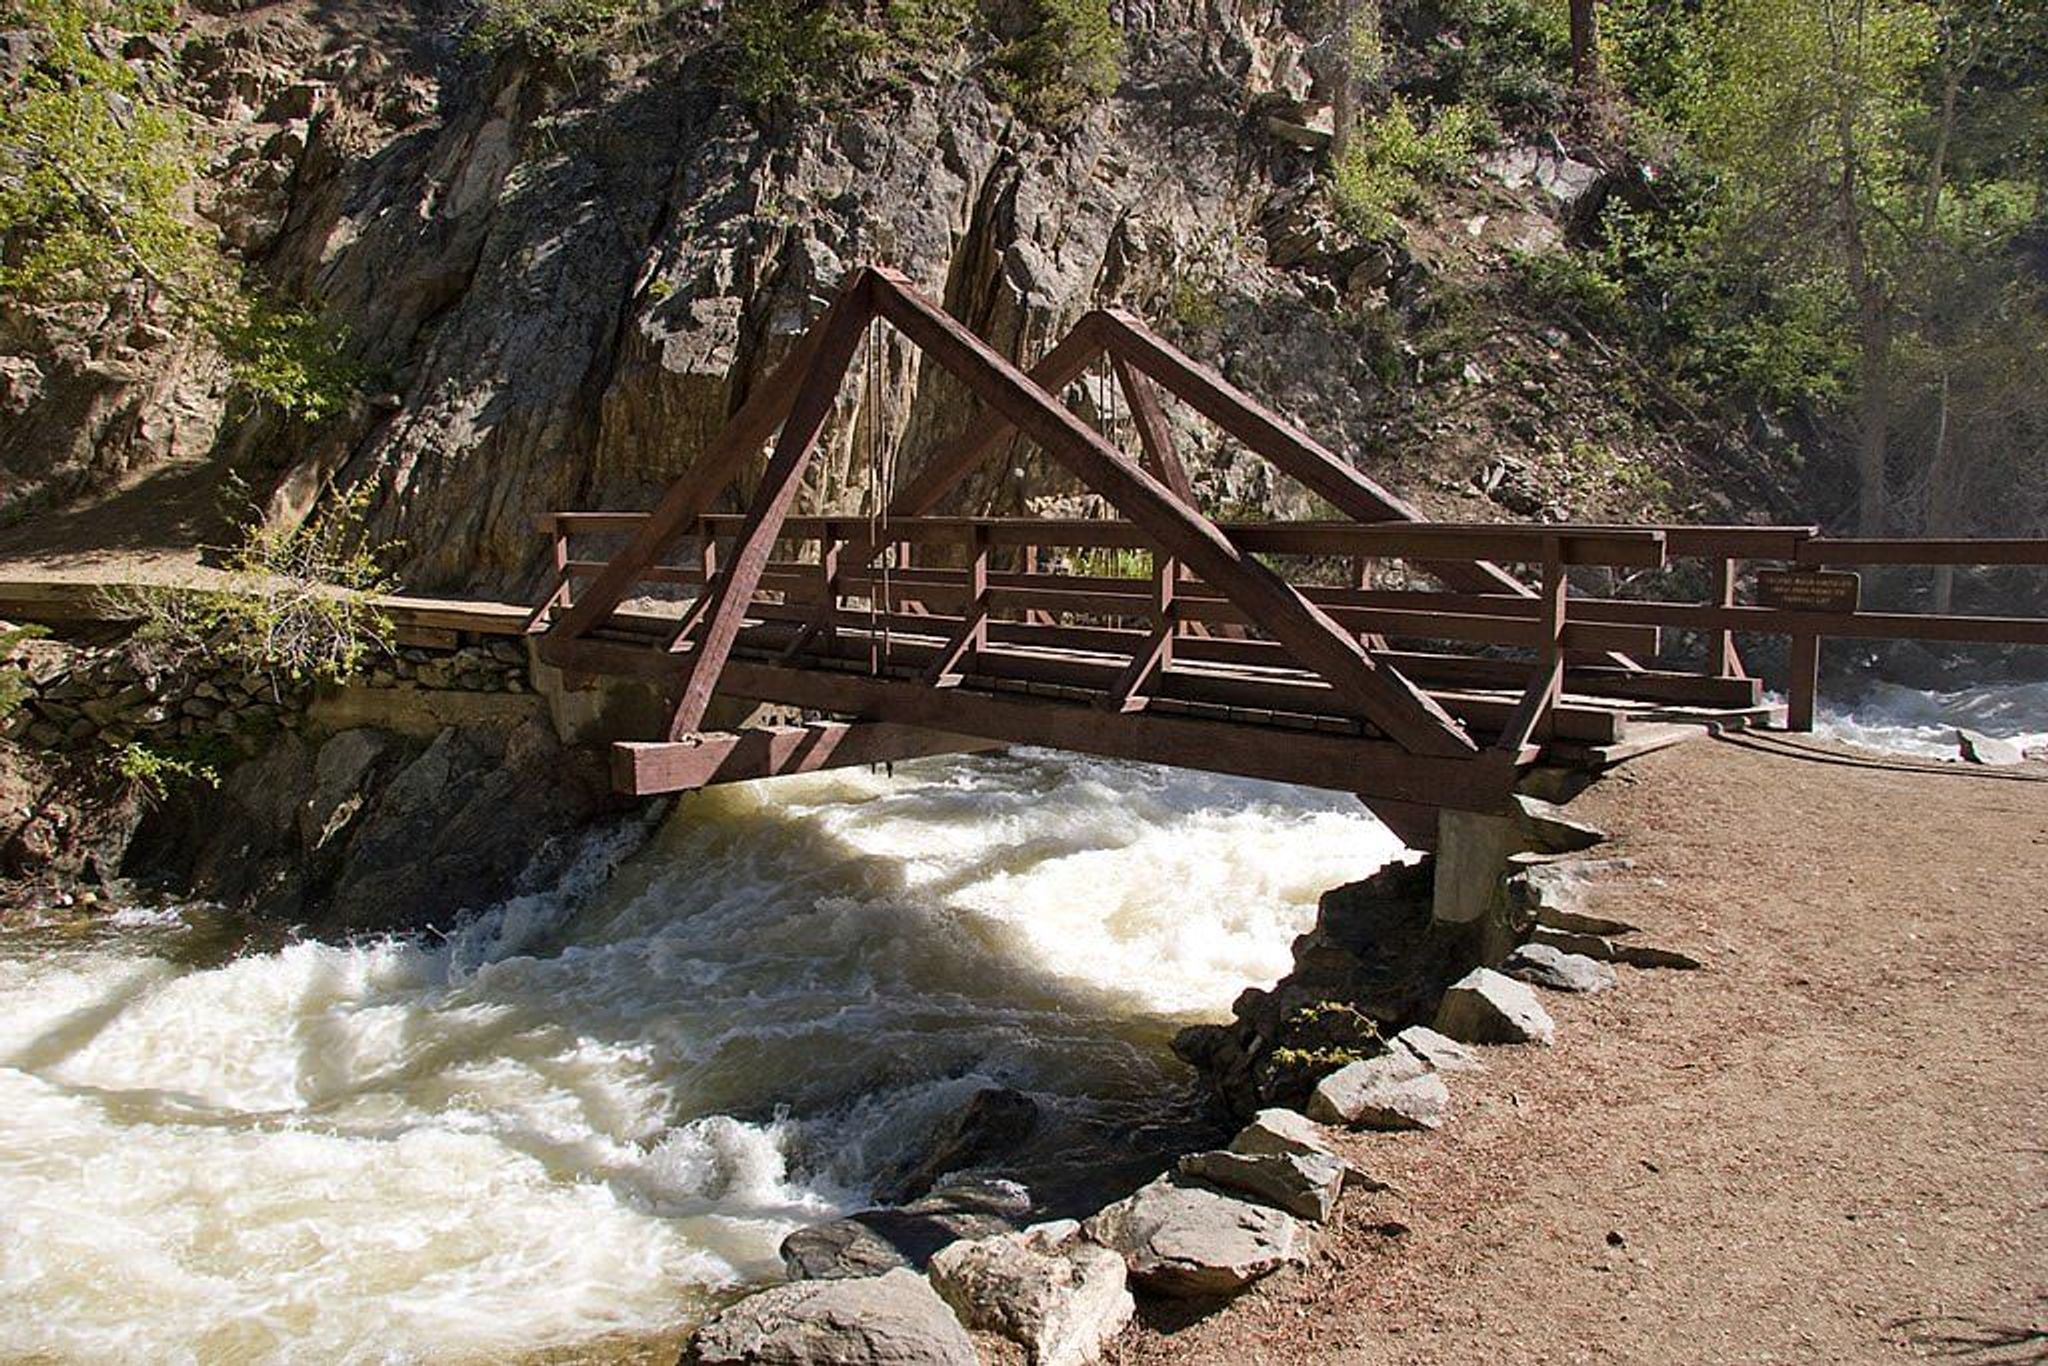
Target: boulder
[1440,1052]
[994,1121]
[1546,965]
[1554,892]
[1607,950]
[1395,1090]
[1190,1241]
[1552,831]
[1283,1131]
[895,1319]
[1485,1007]
[1055,1294]
[1306,1185]
[1979,748]
[878,1240]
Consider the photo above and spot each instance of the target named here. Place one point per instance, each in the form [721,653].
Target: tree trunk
[1344,99]
[1874,341]
[1585,46]
[1941,500]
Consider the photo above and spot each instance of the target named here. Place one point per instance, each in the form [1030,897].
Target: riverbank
[1827,1147]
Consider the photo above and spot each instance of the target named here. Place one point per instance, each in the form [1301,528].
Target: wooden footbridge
[1161,634]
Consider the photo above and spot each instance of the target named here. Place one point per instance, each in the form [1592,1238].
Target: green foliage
[1070,58]
[1393,160]
[1194,305]
[154,769]
[1109,562]
[798,51]
[1505,56]
[91,165]
[302,603]
[1574,283]
[14,681]
[95,158]
[288,355]
[550,32]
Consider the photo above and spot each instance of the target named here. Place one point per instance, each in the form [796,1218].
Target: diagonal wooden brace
[1405,714]
[727,600]
[692,495]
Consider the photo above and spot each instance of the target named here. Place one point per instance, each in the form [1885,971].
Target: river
[593,1109]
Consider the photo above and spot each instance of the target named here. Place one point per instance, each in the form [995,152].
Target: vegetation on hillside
[1834,207]
[302,603]
[96,159]
[1052,59]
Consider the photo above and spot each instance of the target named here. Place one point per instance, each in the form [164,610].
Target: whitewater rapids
[596,1107]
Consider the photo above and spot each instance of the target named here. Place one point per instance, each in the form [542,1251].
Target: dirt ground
[1830,1146]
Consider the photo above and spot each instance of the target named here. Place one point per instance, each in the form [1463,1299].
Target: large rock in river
[878,1240]
[895,1319]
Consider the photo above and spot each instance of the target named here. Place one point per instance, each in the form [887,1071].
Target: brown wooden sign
[1809,590]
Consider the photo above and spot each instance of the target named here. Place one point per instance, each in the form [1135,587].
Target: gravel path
[1832,1146]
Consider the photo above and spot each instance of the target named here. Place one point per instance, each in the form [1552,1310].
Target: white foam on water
[1901,720]
[587,1108]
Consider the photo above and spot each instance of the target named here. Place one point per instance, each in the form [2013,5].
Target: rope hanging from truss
[879,460]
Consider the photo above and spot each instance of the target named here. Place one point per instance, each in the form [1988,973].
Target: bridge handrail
[1586,624]
[1620,547]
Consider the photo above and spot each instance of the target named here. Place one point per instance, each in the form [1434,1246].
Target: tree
[1585,22]
[1802,110]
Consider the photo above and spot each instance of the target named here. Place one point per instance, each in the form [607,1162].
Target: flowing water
[1904,720]
[593,1109]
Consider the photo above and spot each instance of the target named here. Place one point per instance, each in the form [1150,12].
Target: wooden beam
[709,758]
[1292,451]
[1155,433]
[1340,763]
[733,589]
[1413,823]
[1531,719]
[1803,684]
[691,495]
[1395,706]
[1723,659]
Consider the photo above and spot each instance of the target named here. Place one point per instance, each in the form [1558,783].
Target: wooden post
[1804,683]
[1155,434]
[707,565]
[558,596]
[1723,659]
[972,636]
[1531,718]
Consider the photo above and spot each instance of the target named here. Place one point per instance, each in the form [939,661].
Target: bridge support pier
[1473,860]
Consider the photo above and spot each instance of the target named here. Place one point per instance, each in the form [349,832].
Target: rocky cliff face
[559,285]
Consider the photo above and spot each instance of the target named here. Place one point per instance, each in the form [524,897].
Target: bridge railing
[1010,597]
[1061,608]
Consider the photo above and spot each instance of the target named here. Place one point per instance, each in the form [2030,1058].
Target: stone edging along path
[1217,1224]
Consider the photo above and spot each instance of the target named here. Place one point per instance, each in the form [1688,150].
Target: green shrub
[301,605]
[1506,56]
[1392,160]
[1574,282]
[784,51]
[1070,58]
[550,32]
[154,770]
[14,681]
[97,158]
